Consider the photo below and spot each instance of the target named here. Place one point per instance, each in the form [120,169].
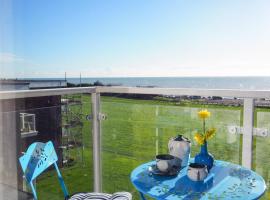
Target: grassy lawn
[135,130]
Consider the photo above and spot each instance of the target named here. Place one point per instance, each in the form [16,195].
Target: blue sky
[98,38]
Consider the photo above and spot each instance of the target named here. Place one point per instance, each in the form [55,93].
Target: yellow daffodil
[203,114]
[199,138]
[210,133]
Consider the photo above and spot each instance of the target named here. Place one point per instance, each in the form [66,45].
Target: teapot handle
[170,146]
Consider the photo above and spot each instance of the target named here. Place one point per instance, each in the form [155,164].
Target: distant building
[216,98]
[195,97]
[14,84]
[25,121]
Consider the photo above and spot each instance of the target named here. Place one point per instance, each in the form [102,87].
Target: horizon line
[231,76]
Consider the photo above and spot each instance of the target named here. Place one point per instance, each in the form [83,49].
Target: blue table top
[226,181]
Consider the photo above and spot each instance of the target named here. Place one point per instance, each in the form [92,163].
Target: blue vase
[204,157]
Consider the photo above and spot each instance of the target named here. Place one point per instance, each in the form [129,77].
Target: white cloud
[13,66]
[10,58]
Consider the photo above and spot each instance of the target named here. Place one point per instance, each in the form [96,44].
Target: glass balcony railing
[100,140]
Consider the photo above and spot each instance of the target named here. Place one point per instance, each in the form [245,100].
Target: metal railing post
[248,123]
[96,142]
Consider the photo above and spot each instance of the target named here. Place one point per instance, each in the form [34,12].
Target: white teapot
[179,147]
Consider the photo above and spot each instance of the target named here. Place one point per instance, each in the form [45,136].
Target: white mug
[197,172]
[165,162]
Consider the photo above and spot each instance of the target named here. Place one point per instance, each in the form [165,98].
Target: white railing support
[247,132]
[96,135]
[16,94]
[187,91]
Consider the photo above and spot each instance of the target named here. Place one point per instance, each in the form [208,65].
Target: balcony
[109,131]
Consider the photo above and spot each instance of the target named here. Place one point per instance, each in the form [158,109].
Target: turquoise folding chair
[39,156]
[37,159]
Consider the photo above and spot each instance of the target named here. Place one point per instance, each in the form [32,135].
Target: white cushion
[101,196]
[121,196]
[86,196]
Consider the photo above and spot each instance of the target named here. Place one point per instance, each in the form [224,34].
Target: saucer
[173,172]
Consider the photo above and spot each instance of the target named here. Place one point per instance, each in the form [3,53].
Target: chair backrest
[39,157]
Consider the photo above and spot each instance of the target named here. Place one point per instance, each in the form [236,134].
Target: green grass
[136,129]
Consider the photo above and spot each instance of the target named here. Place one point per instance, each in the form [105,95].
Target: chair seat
[101,196]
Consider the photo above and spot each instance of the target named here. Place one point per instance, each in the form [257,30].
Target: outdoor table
[225,181]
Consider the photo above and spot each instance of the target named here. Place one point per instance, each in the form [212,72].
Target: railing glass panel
[136,130]
[44,119]
[261,146]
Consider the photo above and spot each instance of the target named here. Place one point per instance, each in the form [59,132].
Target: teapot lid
[181,138]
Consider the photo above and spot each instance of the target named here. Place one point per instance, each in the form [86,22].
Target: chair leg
[60,178]
[33,190]
[142,196]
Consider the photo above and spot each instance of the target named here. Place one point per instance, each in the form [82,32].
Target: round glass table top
[225,181]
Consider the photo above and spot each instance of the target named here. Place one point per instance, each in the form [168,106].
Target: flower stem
[204,128]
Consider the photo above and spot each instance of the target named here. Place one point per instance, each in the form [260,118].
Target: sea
[245,83]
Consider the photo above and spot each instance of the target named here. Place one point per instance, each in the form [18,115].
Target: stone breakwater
[234,102]
[216,101]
